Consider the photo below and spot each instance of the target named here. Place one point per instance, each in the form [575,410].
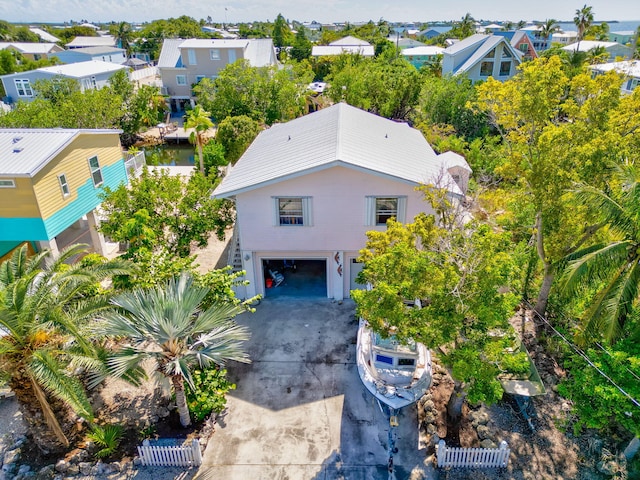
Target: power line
[586,358]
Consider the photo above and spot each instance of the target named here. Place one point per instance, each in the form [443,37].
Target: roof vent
[16,139]
[17,150]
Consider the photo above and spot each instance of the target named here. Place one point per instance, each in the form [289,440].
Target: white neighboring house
[630,69]
[309,190]
[565,38]
[44,36]
[86,54]
[480,57]
[89,75]
[614,49]
[31,50]
[347,44]
[83,42]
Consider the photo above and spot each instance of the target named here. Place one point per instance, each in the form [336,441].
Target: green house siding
[112,175]
[37,229]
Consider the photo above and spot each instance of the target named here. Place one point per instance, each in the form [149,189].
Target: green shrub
[108,437]
[209,395]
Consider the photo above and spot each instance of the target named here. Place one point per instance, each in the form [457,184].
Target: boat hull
[397,395]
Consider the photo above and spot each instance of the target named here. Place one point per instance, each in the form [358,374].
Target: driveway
[300,411]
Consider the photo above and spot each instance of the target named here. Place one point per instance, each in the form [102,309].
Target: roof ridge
[339,130]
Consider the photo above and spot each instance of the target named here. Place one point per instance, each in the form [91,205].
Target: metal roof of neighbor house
[260,52]
[32,47]
[349,41]
[106,41]
[98,50]
[340,135]
[630,68]
[214,43]
[82,69]
[453,159]
[466,43]
[426,50]
[482,47]
[170,53]
[322,50]
[586,45]
[25,151]
[46,36]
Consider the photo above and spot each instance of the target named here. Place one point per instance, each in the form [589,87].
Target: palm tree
[615,264]
[521,24]
[45,304]
[583,20]
[548,28]
[507,26]
[200,121]
[467,25]
[168,326]
[124,36]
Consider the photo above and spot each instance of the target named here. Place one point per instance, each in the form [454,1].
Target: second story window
[294,211]
[96,171]
[181,79]
[214,53]
[380,209]
[486,69]
[7,183]
[505,68]
[23,87]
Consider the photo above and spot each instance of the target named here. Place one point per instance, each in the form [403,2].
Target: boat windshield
[392,343]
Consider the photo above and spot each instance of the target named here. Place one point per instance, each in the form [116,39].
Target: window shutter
[402,209]
[276,211]
[370,211]
[307,211]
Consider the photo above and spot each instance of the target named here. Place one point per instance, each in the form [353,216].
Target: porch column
[97,239]
[48,245]
[336,271]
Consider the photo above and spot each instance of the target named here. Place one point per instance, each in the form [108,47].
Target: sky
[306,10]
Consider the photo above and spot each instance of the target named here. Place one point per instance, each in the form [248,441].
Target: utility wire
[586,358]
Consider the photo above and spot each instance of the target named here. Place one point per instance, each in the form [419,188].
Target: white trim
[7,183]
[180,78]
[307,219]
[371,210]
[24,85]
[65,185]
[94,171]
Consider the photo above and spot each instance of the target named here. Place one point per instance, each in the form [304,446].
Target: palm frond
[55,379]
[595,262]
[126,363]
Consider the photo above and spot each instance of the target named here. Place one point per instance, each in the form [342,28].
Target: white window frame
[191,53]
[95,170]
[214,54]
[303,219]
[232,55]
[181,80]
[64,185]
[500,71]
[486,62]
[7,183]
[199,78]
[372,213]
[23,85]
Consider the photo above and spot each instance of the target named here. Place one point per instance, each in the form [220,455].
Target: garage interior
[295,278]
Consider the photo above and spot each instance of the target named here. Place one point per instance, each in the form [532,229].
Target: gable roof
[425,50]
[482,44]
[213,43]
[349,41]
[170,53]
[32,47]
[586,45]
[322,50]
[340,135]
[46,36]
[98,50]
[25,151]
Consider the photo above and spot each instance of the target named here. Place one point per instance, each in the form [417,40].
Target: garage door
[296,278]
[356,268]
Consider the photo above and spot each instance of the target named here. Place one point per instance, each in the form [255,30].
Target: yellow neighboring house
[51,178]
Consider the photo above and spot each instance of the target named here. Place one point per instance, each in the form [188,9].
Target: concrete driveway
[300,411]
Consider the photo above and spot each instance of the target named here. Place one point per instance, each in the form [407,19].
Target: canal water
[171,155]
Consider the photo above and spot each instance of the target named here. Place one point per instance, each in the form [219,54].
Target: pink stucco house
[309,190]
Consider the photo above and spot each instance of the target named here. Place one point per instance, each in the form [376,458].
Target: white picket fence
[166,456]
[473,457]
[143,73]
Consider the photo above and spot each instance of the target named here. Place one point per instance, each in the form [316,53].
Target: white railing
[134,164]
[473,457]
[143,73]
[166,456]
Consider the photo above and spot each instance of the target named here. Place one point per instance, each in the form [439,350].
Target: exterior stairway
[235,257]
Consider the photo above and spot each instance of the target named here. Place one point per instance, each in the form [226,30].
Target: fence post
[441,453]
[197,454]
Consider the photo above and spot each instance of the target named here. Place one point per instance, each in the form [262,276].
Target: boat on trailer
[395,373]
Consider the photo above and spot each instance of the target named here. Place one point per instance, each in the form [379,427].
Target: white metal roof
[213,43]
[453,159]
[32,47]
[426,50]
[467,42]
[98,50]
[338,135]
[349,41]
[46,36]
[82,69]
[322,50]
[170,53]
[25,151]
[586,45]
[630,68]
[106,41]
[260,52]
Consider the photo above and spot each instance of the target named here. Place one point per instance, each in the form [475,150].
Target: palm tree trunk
[547,281]
[181,400]
[200,155]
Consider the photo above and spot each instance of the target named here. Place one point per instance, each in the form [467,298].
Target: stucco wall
[338,210]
